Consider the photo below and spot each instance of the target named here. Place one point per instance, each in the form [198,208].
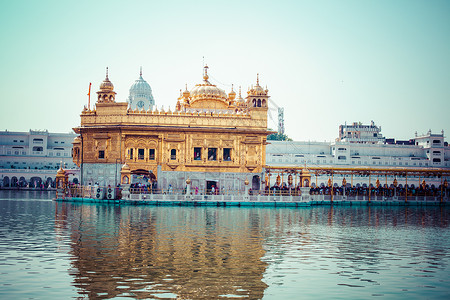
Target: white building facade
[357,146]
[34,156]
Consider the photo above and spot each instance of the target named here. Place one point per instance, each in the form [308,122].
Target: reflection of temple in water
[151,252]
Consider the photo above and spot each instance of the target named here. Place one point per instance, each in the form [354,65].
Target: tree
[278,137]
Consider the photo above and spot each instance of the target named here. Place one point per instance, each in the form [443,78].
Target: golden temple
[211,137]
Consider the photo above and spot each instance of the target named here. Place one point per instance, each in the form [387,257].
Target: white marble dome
[140,96]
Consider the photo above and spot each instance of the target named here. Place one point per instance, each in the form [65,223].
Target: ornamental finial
[107,73]
[141,72]
[205,76]
[257,78]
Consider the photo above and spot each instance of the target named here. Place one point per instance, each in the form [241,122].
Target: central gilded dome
[207,91]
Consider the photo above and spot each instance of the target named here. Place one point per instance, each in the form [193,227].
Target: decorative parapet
[191,117]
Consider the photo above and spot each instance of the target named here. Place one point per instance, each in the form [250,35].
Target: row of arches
[33,182]
[106,98]
[259,102]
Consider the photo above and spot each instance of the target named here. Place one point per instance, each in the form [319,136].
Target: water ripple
[52,250]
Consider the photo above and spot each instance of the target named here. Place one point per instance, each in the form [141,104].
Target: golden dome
[61,171]
[232,94]
[186,93]
[207,91]
[106,84]
[257,90]
[239,98]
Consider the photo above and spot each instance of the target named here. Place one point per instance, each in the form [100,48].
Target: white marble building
[34,155]
[362,150]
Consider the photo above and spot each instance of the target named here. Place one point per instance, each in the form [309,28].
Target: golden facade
[209,131]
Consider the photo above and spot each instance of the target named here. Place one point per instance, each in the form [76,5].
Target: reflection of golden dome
[246,181]
[188,181]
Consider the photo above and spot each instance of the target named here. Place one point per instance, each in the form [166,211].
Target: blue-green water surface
[52,250]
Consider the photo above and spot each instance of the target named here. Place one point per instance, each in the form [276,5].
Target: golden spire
[107,73]
[232,94]
[257,78]
[140,73]
[205,76]
[186,93]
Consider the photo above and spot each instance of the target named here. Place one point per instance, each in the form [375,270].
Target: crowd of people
[432,191]
[426,190]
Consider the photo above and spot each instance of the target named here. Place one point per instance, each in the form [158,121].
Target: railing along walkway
[170,195]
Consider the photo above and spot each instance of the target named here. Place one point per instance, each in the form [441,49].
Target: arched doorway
[49,182]
[142,176]
[6,181]
[35,182]
[14,181]
[22,182]
[256,181]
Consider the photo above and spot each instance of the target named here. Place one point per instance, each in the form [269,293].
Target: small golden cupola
[240,103]
[257,96]
[231,96]
[106,93]
[186,95]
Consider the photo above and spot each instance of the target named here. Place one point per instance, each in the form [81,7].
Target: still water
[51,250]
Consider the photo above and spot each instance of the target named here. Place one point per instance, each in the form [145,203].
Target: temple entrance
[212,187]
[143,176]
[256,183]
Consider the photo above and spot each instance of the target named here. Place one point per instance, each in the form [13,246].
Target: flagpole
[89,96]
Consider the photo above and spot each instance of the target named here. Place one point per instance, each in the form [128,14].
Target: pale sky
[325,62]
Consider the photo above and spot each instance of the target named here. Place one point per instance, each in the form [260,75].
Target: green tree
[278,137]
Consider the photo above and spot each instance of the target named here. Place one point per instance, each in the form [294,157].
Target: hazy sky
[325,62]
